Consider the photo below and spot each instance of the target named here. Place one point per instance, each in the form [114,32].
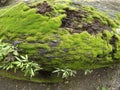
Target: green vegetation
[50,46]
[65,73]
[10,59]
[5,49]
[22,63]
[102,88]
[88,71]
[37,79]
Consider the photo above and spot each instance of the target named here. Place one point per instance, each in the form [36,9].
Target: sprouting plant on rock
[65,73]
[29,68]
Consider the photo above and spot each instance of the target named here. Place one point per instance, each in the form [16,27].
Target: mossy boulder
[61,35]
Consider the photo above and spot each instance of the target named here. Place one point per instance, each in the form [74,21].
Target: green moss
[117,53]
[19,76]
[104,18]
[15,15]
[43,39]
[118,16]
[107,35]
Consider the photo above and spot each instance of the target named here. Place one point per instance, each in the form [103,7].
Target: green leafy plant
[48,87]
[10,59]
[88,71]
[64,72]
[5,49]
[102,88]
[29,68]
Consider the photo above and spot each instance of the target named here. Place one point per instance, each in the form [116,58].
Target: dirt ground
[105,77]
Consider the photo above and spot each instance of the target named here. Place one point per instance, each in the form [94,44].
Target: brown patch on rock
[73,20]
[113,41]
[74,24]
[42,8]
[95,27]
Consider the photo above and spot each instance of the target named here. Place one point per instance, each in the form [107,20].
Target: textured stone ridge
[42,37]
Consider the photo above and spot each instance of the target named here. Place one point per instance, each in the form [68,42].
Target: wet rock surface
[105,77]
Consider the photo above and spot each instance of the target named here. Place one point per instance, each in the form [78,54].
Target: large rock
[63,36]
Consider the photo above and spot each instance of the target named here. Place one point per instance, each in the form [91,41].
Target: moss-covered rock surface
[62,35]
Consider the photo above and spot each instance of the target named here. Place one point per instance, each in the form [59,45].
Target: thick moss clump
[60,36]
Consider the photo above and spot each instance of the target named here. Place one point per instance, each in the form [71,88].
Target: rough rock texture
[61,36]
[100,77]
[8,2]
[111,7]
